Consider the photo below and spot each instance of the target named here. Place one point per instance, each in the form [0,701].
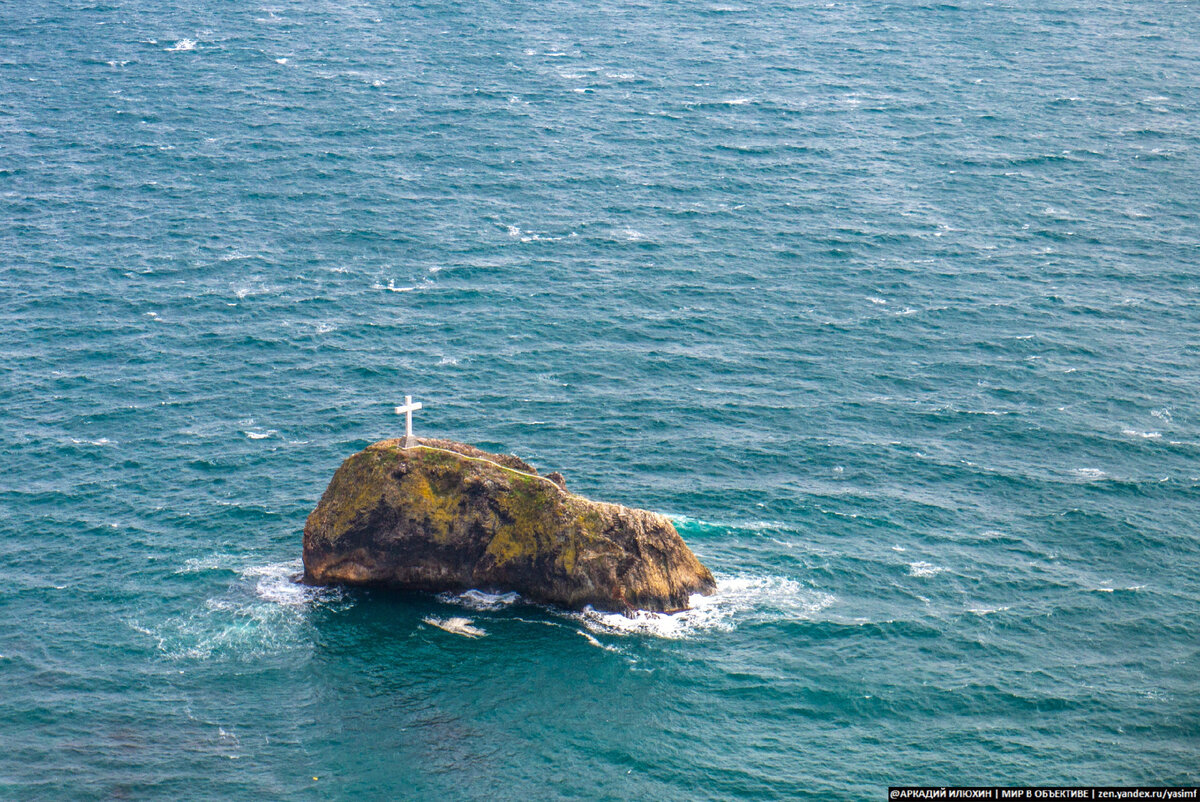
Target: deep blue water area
[893,307]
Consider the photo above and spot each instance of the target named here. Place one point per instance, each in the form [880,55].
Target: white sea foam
[924,569]
[737,599]
[391,286]
[456,626]
[1091,474]
[279,583]
[478,600]
[1136,433]
[262,612]
[592,640]
[986,610]
[259,435]
[182,45]
[210,562]
[103,441]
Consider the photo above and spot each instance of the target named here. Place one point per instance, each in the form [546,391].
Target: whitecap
[986,610]
[259,435]
[456,626]
[924,569]
[736,599]
[1146,435]
[592,640]
[479,600]
[447,360]
[182,45]
[391,286]
[103,441]
[1089,473]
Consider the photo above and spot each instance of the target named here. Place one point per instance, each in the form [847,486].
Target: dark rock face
[447,516]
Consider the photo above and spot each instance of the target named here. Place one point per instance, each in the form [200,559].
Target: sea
[892,306]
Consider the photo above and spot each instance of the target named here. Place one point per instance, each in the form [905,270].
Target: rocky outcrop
[444,516]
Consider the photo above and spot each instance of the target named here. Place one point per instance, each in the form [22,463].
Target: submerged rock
[444,516]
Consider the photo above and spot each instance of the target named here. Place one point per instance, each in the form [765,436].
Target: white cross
[407,410]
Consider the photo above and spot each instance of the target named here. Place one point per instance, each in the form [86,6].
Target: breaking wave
[737,599]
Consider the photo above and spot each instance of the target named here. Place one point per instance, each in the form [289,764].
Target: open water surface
[894,306]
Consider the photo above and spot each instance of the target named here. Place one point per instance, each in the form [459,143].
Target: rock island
[444,516]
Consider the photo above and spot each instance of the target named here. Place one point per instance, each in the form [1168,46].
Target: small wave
[456,626]
[736,599]
[986,610]
[1090,474]
[592,640]
[103,441]
[182,45]
[259,435]
[478,600]
[1146,435]
[924,569]
[391,287]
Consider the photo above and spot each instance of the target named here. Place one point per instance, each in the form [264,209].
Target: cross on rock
[407,410]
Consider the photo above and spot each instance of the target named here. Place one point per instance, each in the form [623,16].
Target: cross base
[408,441]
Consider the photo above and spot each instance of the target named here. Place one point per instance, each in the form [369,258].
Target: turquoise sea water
[894,306]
